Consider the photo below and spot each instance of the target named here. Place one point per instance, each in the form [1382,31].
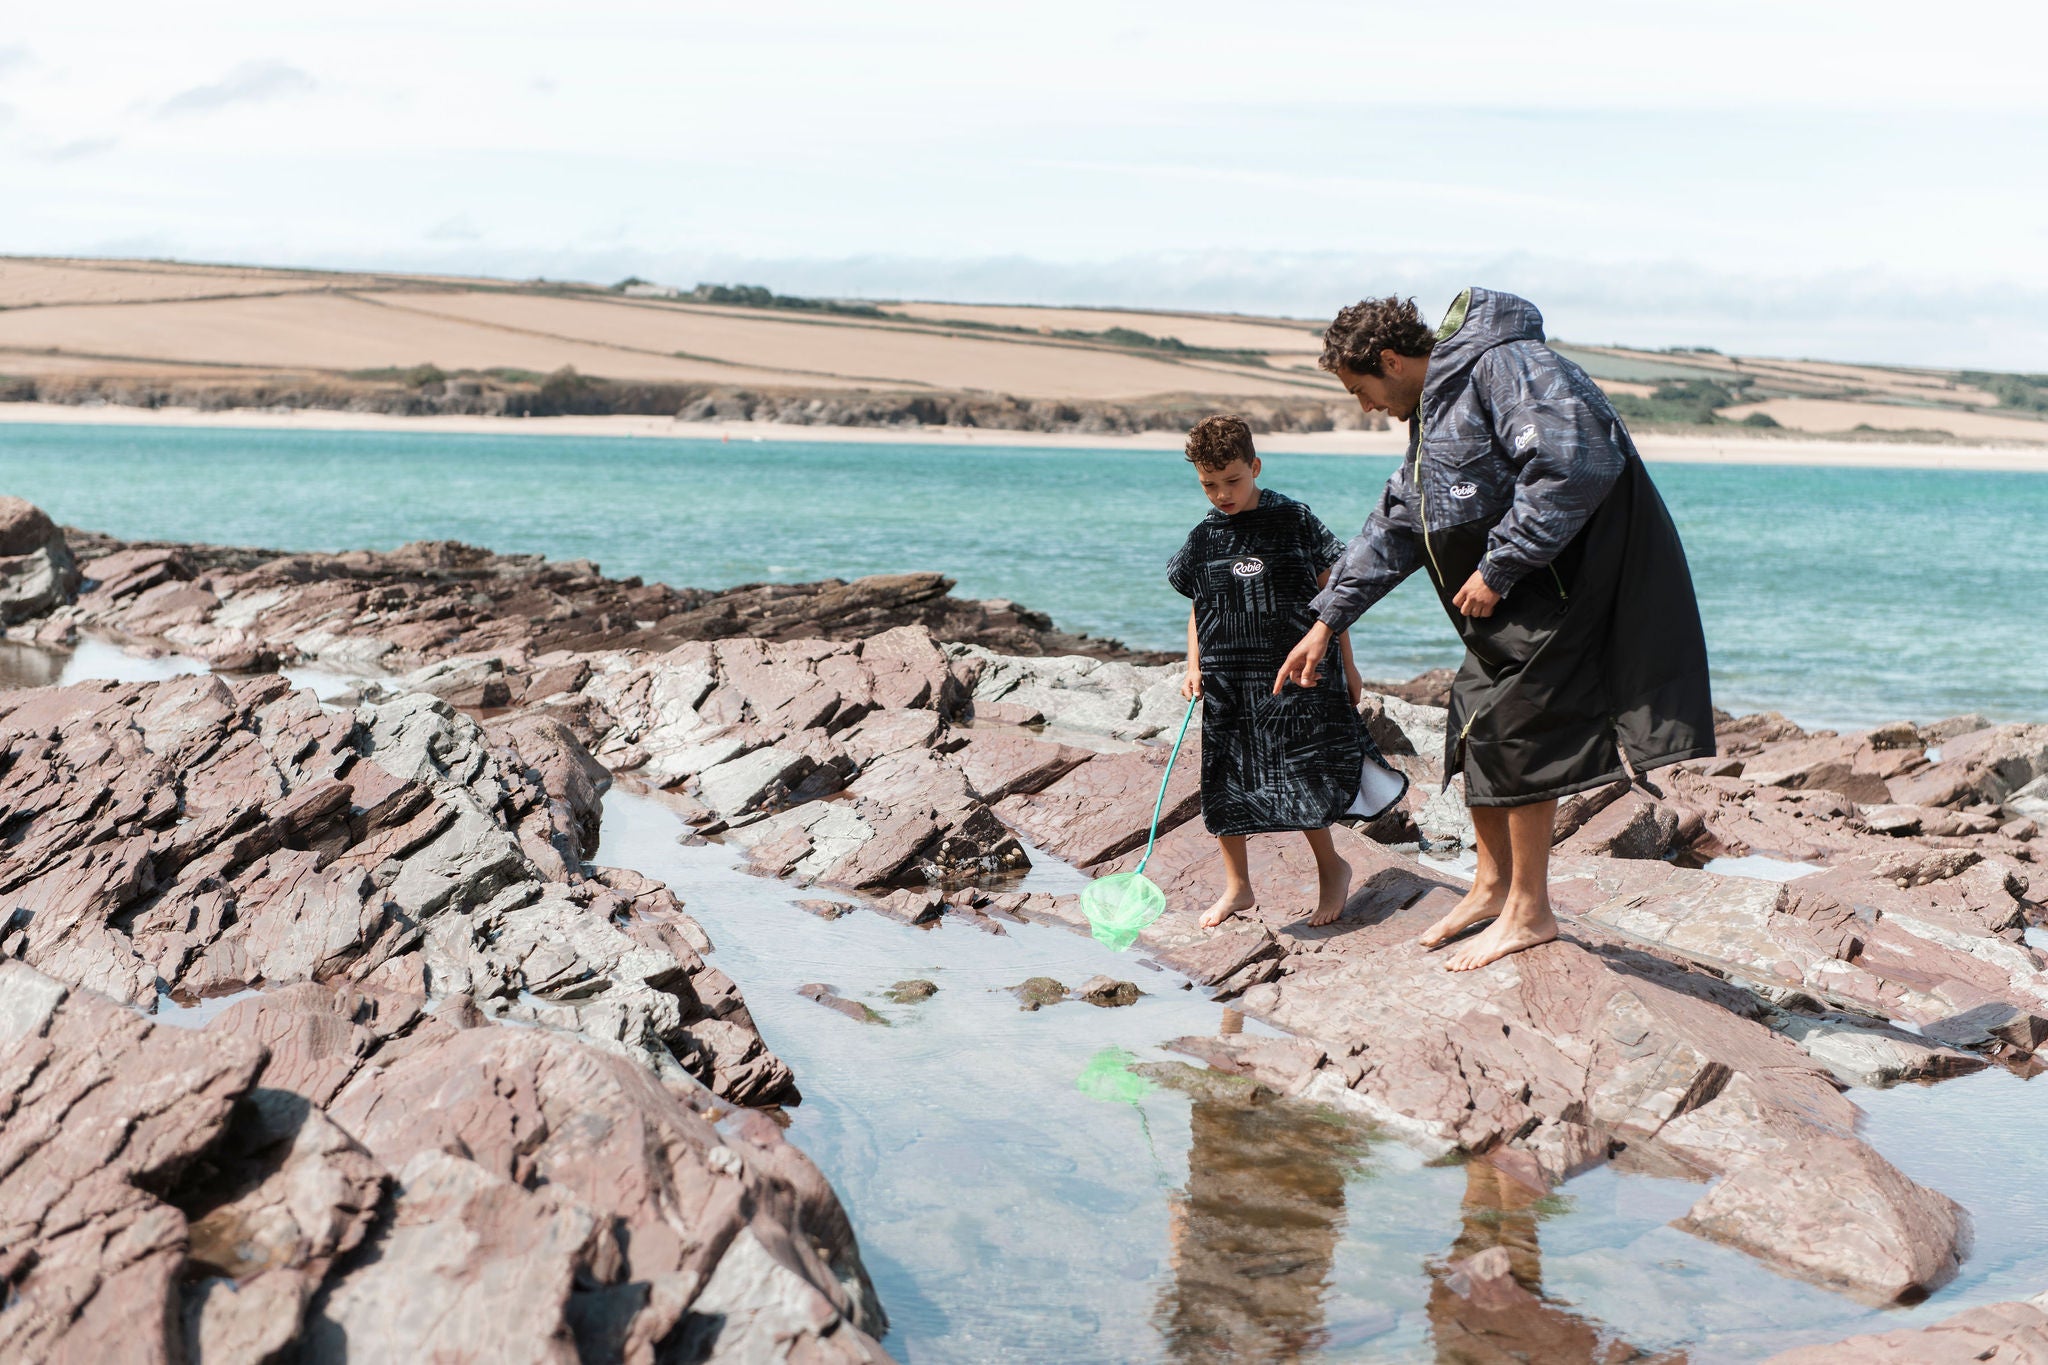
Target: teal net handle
[1160,804]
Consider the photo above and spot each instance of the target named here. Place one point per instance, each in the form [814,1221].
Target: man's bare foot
[1511,933]
[1480,904]
[1228,904]
[1333,888]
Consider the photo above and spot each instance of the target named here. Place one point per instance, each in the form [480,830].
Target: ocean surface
[1839,596]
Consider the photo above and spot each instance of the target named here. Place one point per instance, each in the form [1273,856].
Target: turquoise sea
[1840,596]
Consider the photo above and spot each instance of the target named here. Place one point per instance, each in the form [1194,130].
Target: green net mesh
[1119,906]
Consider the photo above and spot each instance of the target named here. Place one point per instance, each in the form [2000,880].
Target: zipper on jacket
[1422,497]
[1560,584]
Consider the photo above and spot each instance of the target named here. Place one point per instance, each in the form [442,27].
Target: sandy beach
[1656,447]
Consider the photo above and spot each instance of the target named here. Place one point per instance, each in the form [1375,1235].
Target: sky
[1858,181]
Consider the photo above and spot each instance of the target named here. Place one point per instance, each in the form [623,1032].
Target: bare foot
[1509,934]
[1480,904]
[1332,890]
[1228,904]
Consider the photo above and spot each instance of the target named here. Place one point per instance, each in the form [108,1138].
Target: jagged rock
[1431,689]
[640,1202]
[1988,765]
[1863,1052]
[290,1193]
[998,764]
[2003,1333]
[913,991]
[37,573]
[1104,807]
[212,836]
[1632,827]
[1127,701]
[1552,1057]
[99,1110]
[1821,936]
[433,600]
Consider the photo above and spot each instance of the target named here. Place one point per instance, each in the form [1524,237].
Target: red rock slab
[1553,1059]
[98,1106]
[1985,766]
[1999,1333]
[533,1109]
[1104,807]
[1001,763]
[1923,967]
[1848,764]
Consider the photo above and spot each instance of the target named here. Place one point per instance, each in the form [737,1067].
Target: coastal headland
[433,1022]
[153,341]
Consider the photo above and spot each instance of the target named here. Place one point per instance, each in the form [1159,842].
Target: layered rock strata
[393,611]
[470,1095]
[2000,1333]
[1687,1022]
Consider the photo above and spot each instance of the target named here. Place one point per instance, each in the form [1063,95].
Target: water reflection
[1254,1232]
[1480,1316]
[28,666]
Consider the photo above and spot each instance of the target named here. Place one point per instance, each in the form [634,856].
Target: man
[1524,499]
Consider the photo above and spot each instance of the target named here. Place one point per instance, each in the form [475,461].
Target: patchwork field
[171,334]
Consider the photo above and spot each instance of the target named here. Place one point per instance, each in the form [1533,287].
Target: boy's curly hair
[1365,329]
[1218,440]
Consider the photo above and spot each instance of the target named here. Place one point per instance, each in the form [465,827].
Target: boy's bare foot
[1480,904]
[1333,888]
[1513,932]
[1228,904]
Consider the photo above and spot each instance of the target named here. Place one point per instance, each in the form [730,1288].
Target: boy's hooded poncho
[1518,467]
[1269,763]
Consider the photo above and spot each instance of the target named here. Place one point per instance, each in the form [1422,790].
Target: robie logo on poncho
[1248,568]
[1464,490]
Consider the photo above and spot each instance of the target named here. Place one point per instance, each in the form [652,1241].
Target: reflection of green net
[1119,906]
[1108,1077]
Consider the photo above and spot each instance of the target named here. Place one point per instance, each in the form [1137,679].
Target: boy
[1270,762]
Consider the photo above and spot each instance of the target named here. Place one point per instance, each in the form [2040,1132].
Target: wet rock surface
[2004,1333]
[398,878]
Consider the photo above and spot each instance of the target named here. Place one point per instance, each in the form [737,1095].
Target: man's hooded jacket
[1518,468]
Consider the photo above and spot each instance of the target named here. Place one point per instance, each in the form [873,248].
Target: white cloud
[249,83]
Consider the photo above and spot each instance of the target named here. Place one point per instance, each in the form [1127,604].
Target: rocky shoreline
[431,982]
[428,392]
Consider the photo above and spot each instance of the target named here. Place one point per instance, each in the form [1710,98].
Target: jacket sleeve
[1565,448]
[1385,551]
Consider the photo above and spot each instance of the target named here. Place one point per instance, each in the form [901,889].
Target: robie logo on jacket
[1248,568]
[1464,490]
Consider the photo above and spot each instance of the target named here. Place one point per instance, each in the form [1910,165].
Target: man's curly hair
[1355,340]
[1218,440]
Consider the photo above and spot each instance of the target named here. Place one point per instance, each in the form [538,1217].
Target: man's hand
[1304,666]
[1475,598]
[1191,684]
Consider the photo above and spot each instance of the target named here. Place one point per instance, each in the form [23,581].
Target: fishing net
[1120,905]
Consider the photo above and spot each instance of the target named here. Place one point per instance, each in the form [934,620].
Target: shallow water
[1008,1215]
[1840,596]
